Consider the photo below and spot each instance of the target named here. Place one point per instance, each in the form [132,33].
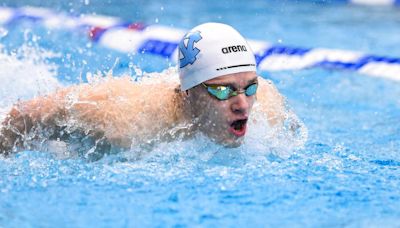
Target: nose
[240,104]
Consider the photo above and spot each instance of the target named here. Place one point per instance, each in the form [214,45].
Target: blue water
[347,174]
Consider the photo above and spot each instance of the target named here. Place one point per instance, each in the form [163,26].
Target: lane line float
[159,40]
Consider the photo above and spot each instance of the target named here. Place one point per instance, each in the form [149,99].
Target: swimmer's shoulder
[268,91]
[270,101]
[116,87]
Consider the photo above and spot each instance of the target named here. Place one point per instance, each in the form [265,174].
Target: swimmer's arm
[273,105]
[124,112]
[85,104]
[113,110]
[52,112]
[270,102]
[26,115]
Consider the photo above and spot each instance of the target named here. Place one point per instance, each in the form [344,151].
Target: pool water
[347,173]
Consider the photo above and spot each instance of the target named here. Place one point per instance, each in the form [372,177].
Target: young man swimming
[218,88]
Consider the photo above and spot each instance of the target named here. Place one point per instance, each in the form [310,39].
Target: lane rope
[163,41]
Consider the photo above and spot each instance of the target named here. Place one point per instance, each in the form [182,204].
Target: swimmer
[215,96]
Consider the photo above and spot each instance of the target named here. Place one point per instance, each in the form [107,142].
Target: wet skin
[125,113]
[215,117]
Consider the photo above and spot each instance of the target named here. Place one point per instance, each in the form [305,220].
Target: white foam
[281,140]
[24,74]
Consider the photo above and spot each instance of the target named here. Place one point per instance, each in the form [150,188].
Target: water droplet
[3,32]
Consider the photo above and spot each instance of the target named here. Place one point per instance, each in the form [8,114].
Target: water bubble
[156,20]
[136,69]
[87,2]
[35,38]
[27,35]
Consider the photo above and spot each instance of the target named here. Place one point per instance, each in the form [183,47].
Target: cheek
[220,107]
[251,101]
[200,105]
[215,111]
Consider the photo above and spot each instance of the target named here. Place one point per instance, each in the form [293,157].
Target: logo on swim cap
[236,48]
[189,52]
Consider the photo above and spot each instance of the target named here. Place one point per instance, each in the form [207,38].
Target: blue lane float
[161,40]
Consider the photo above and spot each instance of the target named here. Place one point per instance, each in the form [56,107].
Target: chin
[224,139]
[232,143]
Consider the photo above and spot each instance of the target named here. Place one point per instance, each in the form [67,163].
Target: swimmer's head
[211,50]
[215,54]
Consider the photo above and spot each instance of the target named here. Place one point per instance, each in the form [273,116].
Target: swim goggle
[224,92]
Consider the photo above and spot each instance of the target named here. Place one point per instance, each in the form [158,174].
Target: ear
[191,94]
[185,93]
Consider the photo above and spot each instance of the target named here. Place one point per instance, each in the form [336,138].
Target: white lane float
[376,2]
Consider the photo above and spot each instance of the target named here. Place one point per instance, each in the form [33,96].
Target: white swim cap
[211,50]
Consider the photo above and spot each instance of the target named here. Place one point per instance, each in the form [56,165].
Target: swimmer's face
[224,121]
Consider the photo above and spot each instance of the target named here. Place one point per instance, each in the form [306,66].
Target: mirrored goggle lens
[251,90]
[220,92]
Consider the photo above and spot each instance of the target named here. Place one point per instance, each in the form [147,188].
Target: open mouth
[238,127]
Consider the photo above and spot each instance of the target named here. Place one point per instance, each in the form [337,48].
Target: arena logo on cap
[235,48]
[188,51]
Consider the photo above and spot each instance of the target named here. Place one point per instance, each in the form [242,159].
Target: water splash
[25,74]
[3,32]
